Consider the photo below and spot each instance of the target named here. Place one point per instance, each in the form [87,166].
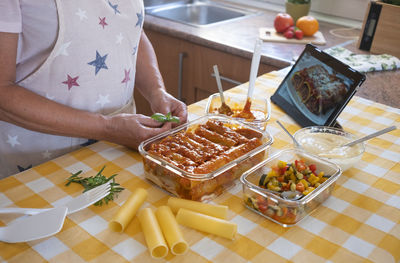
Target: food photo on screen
[315,89]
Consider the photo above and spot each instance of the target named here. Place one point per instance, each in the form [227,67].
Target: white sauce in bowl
[327,146]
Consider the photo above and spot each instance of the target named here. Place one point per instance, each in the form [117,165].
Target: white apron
[91,67]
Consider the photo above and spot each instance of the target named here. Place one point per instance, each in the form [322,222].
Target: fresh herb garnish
[165,118]
[94,181]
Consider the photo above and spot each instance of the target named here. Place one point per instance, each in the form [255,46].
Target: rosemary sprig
[94,181]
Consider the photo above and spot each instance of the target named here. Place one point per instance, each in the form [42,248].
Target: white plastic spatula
[34,227]
[255,62]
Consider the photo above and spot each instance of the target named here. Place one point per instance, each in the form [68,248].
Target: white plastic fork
[76,204]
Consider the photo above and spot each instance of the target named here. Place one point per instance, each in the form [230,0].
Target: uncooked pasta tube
[219,211]
[152,233]
[171,231]
[206,223]
[128,210]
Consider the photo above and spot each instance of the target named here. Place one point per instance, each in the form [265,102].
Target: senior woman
[68,70]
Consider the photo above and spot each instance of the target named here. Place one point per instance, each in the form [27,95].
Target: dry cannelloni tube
[206,223]
[219,211]
[171,231]
[128,210]
[152,233]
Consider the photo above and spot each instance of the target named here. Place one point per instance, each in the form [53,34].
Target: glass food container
[272,205]
[165,172]
[260,107]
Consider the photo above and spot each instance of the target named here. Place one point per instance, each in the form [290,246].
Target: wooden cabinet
[187,69]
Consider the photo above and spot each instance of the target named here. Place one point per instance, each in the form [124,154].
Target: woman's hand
[164,103]
[131,129]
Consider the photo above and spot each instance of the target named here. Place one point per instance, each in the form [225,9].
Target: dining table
[359,222]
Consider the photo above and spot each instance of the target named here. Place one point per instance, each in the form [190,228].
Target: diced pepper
[272,173]
[312,167]
[300,187]
[293,177]
[313,179]
[281,164]
[304,182]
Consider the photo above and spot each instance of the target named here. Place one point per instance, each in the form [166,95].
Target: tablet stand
[337,125]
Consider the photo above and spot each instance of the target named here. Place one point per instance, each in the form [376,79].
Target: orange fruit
[307,24]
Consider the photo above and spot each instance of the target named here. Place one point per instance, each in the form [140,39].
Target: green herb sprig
[165,118]
[94,181]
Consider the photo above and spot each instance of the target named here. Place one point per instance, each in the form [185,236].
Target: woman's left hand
[164,103]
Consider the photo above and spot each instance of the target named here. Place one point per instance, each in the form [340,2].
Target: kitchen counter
[358,223]
[238,37]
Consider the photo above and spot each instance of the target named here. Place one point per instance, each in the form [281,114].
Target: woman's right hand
[131,129]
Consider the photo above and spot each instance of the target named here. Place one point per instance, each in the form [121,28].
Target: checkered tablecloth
[358,223]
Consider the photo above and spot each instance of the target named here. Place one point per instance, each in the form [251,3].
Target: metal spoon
[291,195]
[224,109]
[337,151]
[290,135]
[372,135]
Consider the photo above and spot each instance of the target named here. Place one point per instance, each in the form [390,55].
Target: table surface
[358,223]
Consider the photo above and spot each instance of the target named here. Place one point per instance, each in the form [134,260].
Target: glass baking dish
[201,186]
[260,107]
[273,206]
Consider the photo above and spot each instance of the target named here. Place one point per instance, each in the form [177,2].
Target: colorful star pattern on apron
[91,68]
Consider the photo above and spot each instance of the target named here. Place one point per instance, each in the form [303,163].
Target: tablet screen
[317,88]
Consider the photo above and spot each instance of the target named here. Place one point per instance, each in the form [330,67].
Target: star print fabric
[91,67]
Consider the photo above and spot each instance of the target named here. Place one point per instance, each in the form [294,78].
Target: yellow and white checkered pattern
[358,223]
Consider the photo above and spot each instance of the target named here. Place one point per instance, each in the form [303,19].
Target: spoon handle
[219,85]
[255,62]
[375,134]
[288,133]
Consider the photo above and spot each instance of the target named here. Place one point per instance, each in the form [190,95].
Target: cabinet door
[229,66]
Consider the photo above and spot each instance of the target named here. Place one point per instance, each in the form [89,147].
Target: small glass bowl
[260,106]
[325,141]
[284,211]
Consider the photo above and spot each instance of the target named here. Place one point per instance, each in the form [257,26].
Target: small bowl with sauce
[260,108]
[326,142]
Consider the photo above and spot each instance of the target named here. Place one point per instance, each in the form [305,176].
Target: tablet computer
[317,88]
